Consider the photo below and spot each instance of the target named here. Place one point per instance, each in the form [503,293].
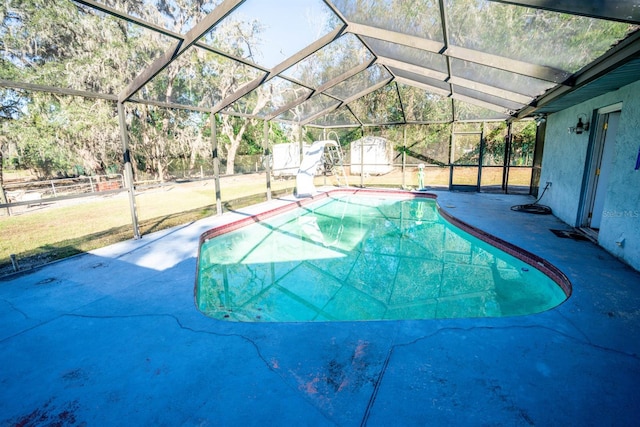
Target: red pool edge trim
[226,228]
[523,255]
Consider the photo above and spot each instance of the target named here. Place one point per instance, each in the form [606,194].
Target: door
[466,152]
[601,169]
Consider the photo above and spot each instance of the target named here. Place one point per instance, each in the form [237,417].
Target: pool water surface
[363,257]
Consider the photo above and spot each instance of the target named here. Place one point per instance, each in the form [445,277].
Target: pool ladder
[334,161]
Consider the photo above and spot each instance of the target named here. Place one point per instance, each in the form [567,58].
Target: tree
[9,110]
[73,46]
[69,46]
[234,128]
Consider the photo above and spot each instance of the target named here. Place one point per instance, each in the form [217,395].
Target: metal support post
[301,143]
[216,163]
[451,148]
[507,155]
[362,160]
[3,196]
[404,156]
[481,157]
[267,157]
[128,170]
[14,262]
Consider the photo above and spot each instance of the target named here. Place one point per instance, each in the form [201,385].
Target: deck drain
[569,234]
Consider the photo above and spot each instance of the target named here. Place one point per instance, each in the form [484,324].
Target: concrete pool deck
[113,337]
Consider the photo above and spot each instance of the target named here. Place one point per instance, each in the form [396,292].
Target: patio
[112,337]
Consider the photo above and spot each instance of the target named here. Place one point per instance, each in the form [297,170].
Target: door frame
[592,163]
[466,187]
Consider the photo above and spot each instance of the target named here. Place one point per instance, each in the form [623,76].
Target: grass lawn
[52,231]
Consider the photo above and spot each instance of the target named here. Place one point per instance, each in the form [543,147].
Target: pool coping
[535,261]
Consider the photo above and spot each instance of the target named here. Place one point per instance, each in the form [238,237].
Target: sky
[304,18]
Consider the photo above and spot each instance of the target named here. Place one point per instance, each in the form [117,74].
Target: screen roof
[313,62]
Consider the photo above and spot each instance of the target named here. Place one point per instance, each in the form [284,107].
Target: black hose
[534,207]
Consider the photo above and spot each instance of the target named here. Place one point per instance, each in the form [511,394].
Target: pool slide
[311,161]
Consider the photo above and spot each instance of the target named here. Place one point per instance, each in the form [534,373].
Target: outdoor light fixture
[580,126]
[539,119]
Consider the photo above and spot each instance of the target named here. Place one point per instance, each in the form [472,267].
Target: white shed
[286,159]
[372,155]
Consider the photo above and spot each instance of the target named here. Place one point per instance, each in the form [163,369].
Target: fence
[35,192]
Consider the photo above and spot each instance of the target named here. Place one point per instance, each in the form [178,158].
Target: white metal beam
[367,90]
[51,89]
[121,15]
[200,29]
[411,68]
[520,67]
[479,103]
[395,37]
[491,90]
[614,58]
[309,50]
[321,89]
[293,59]
[618,10]
[428,88]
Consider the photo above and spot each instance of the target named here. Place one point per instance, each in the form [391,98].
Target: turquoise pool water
[363,258]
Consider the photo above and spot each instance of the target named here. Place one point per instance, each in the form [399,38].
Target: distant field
[439,177]
[50,231]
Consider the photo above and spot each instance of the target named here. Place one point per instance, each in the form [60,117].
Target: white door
[603,170]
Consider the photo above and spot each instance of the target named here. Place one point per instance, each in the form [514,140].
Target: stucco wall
[564,162]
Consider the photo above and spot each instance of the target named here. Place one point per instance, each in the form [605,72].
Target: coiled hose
[534,207]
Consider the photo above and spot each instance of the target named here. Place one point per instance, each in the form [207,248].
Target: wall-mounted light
[581,126]
[539,119]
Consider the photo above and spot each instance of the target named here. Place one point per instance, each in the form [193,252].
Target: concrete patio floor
[113,337]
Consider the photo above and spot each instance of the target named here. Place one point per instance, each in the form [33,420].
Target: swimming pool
[367,255]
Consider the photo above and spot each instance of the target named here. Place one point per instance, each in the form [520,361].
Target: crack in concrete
[585,341]
[13,307]
[181,326]
[29,329]
[393,347]
[569,321]
[268,365]
[376,387]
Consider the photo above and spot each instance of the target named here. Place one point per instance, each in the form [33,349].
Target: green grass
[54,232]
